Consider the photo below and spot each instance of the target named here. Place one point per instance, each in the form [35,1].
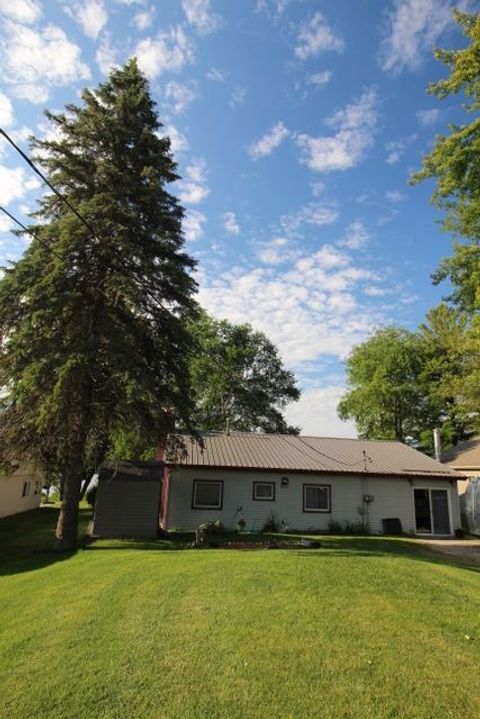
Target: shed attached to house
[304,483]
[127,501]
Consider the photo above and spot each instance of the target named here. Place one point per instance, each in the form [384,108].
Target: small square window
[207,494]
[264,491]
[316,498]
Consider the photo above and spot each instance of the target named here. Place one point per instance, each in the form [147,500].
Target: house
[465,458]
[304,483]
[20,490]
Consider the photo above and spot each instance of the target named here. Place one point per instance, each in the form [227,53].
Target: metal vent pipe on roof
[437,444]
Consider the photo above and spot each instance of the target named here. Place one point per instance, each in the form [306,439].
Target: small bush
[271,524]
[459,533]
[335,527]
[209,528]
[241,524]
[348,528]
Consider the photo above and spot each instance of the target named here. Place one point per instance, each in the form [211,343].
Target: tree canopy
[94,322]
[454,162]
[238,379]
[384,395]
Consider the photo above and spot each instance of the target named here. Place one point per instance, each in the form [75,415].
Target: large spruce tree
[93,323]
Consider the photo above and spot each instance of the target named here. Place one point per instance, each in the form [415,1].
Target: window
[207,494]
[316,498]
[264,491]
[26,489]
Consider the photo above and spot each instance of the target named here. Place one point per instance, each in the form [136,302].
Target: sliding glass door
[432,514]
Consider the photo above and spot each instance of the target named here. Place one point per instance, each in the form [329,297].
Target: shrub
[271,524]
[209,528]
[348,528]
[335,527]
[241,524]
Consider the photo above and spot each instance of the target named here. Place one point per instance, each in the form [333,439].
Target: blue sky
[295,124]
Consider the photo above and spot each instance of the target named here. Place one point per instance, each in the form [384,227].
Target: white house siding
[12,486]
[393,497]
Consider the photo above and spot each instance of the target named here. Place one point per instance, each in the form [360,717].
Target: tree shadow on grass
[27,540]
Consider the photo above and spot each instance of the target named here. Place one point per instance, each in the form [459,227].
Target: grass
[362,627]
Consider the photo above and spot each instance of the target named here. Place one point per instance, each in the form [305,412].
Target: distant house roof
[290,453]
[466,455]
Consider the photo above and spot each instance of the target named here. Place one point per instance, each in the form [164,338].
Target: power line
[31,233]
[49,184]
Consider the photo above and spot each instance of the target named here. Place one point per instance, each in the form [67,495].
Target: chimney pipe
[437,444]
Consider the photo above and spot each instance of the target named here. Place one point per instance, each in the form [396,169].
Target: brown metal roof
[466,455]
[291,453]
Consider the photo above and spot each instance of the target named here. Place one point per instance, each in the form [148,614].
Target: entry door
[431,511]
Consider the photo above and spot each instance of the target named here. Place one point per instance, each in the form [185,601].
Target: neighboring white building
[19,491]
[306,482]
[465,458]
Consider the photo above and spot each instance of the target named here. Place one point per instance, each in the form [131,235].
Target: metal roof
[292,453]
[466,455]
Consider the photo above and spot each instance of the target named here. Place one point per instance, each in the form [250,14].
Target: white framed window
[316,498]
[264,491]
[207,494]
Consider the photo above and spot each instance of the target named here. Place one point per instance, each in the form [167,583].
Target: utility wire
[49,184]
[31,233]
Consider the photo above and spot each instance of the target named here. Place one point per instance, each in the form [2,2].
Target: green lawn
[360,628]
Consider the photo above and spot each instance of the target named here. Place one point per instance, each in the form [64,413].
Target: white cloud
[15,183]
[309,309]
[24,11]
[193,225]
[277,252]
[216,75]
[395,196]
[143,20]
[355,237]
[316,413]
[317,188]
[170,51]
[310,214]
[180,95]
[279,6]
[106,55]
[33,61]
[237,97]
[354,127]
[396,149]
[193,187]
[178,141]
[269,142]
[319,78]
[200,15]
[426,118]
[6,111]
[91,15]
[230,223]
[412,30]
[315,36]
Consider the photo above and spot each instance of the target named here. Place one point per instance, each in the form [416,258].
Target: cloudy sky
[295,124]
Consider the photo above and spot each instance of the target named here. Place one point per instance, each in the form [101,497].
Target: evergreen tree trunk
[67,525]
